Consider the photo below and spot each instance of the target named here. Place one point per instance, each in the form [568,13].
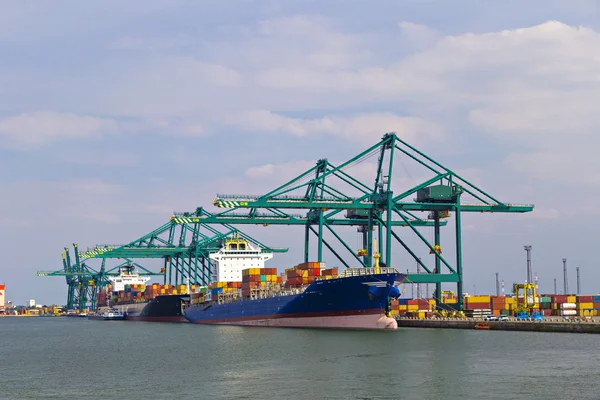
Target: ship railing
[360,271]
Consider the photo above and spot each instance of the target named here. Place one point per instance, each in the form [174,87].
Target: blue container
[404,302]
[596,299]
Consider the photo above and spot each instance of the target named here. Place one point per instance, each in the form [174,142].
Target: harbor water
[75,358]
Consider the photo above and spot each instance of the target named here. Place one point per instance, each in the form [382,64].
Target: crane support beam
[282,220]
[245,202]
[432,278]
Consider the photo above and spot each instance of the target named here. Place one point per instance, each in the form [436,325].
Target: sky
[115,114]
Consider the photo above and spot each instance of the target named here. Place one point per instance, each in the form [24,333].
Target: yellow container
[478,299]
[421,315]
[431,303]
[585,305]
[571,299]
[255,271]
[412,308]
[305,273]
[174,291]
[403,307]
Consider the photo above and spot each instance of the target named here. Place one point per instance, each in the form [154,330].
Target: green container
[263,278]
[436,193]
[504,312]
[545,299]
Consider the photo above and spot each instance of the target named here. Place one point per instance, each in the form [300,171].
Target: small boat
[111,314]
[481,325]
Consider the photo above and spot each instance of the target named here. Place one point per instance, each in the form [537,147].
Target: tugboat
[112,314]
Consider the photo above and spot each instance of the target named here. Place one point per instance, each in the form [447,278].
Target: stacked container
[585,306]
[329,273]
[225,287]
[303,274]
[254,278]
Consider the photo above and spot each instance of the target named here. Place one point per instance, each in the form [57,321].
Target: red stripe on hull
[368,319]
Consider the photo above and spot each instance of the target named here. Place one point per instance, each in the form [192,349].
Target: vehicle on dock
[533,316]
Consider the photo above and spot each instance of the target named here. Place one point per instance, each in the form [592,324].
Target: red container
[413,302]
[559,298]
[423,304]
[585,299]
[477,306]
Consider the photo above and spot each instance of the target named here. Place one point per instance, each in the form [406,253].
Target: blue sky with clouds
[114,114]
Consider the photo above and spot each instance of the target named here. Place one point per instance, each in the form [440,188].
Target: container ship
[138,302]
[311,296]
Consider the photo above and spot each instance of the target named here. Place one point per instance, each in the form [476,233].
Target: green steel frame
[184,249]
[370,207]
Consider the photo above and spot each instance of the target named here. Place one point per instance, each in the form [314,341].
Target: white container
[566,313]
[566,306]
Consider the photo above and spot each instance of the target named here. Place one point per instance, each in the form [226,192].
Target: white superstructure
[127,276]
[236,255]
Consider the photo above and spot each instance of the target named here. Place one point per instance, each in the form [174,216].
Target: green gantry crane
[326,190]
[184,249]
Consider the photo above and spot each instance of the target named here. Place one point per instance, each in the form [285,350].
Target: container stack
[198,296]
[255,278]
[497,304]
[152,291]
[329,273]
[596,305]
[546,305]
[477,306]
[563,306]
[585,306]
[303,274]
[225,287]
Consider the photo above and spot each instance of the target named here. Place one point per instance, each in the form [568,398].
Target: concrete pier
[549,325]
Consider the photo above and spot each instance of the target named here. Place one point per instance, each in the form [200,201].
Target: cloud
[283,171]
[112,159]
[571,165]
[361,127]
[38,128]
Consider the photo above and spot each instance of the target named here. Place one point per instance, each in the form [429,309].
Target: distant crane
[529,273]
[565,279]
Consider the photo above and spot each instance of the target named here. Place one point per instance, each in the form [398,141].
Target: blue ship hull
[356,302]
